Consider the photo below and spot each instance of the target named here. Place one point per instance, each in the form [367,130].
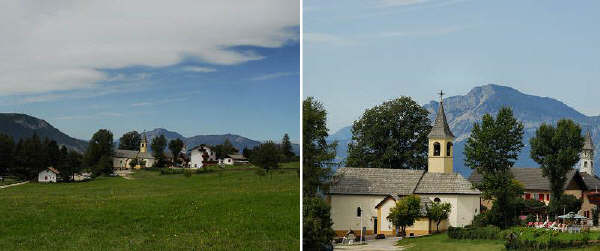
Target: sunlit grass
[221,210]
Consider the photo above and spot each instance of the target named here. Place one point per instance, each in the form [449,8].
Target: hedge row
[527,238]
[489,233]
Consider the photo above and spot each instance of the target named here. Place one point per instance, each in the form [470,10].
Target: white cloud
[198,69]
[63,45]
[273,76]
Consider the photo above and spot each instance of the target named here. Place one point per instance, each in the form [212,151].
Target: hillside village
[45,161]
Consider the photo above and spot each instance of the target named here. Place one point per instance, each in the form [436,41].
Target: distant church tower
[440,157]
[144,143]
[587,155]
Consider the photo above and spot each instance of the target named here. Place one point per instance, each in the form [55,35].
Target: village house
[374,191]
[581,182]
[201,154]
[122,158]
[234,159]
[49,175]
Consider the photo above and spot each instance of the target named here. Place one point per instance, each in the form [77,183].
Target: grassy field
[441,242]
[222,210]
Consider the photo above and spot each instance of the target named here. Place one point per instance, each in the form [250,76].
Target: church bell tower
[143,143]
[587,155]
[441,150]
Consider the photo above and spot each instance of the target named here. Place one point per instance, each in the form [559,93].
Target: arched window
[436,149]
[449,149]
[358,212]
[585,164]
[437,200]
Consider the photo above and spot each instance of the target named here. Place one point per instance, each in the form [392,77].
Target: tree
[317,154]
[130,141]
[158,148]
[133,163]
[391,135]
[247,153]
[223,150]
[316,221]
[492,150]
[7,148]
[99,152]
[266,156]
[286,148]
[438,212]
[175,147]
[53,153]
[75,162]
[567,203]
[557,149]
[405,212]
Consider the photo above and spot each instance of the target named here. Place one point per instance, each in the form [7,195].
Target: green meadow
[220,210]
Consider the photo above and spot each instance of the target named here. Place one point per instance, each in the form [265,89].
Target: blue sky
[359,53]
[190,67]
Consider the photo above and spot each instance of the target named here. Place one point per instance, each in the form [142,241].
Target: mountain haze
[462,111]
[21,126]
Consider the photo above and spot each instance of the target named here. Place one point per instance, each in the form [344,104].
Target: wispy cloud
[273,76]
[401,2]
[198,69]
[327,38]
[421,33]
[91,116]
[160,102]
[141,104]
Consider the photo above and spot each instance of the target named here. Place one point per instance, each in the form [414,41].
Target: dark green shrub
[168,171]
[489,232]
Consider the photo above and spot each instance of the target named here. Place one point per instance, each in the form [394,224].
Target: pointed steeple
[440,129]
[588,144]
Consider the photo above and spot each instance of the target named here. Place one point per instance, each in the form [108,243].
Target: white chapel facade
[374,191]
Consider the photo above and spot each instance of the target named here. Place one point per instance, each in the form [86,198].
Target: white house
[233,159]
[201,154]
[48,175]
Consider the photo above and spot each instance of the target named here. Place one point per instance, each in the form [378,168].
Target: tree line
[27,157]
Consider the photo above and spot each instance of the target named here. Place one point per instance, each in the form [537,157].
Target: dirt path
[128,177]
[12,185]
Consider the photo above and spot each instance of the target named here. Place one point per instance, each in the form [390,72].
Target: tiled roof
[120,153]
[237,156]
[381,181]
[440,127]
[450,183]
[376,181]
[531,178]
[591,182]
[53,170]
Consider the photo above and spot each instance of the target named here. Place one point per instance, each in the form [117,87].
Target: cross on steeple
[441,95]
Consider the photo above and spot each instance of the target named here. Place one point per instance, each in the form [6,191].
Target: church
[122,158]
[363,197]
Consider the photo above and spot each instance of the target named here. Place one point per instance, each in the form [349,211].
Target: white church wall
[343,211]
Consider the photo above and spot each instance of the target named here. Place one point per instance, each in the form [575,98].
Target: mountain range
[237,141]
[23,126]
[463,110]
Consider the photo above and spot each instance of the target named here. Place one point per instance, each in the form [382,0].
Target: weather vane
[441,95]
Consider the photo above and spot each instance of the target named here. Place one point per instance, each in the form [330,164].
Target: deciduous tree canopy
[391,135]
